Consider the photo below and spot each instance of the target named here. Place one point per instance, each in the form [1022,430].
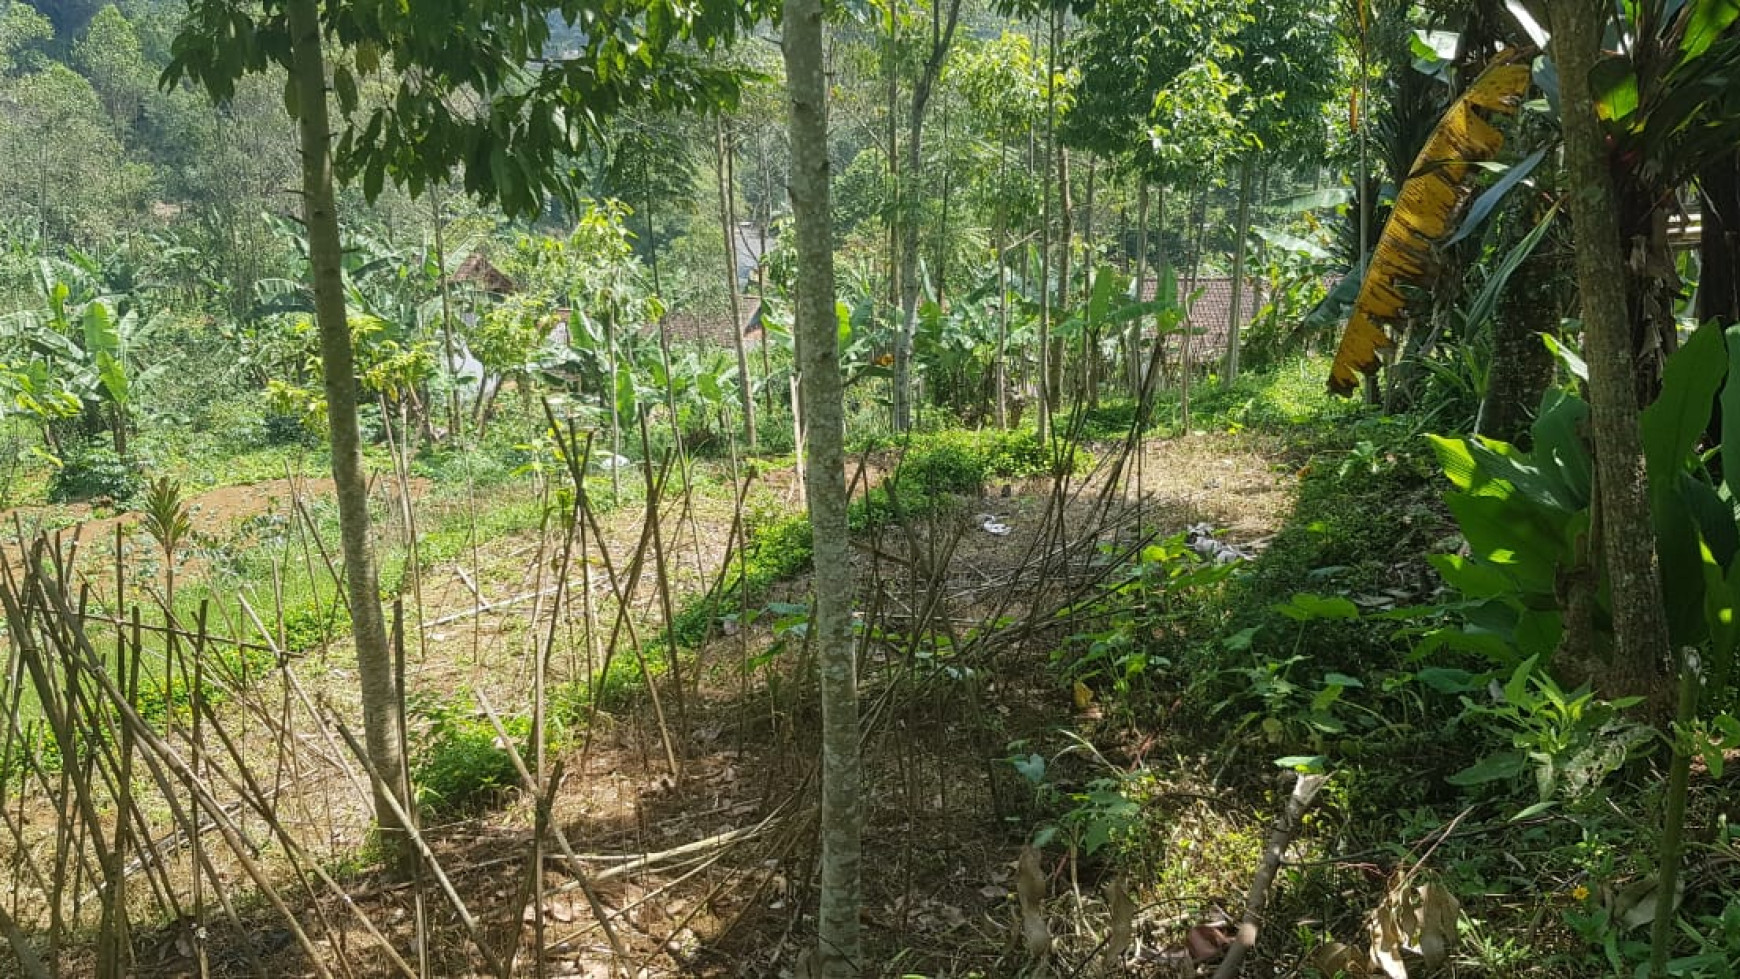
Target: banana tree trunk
[381,719]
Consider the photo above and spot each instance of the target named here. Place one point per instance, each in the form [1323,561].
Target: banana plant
[87,346]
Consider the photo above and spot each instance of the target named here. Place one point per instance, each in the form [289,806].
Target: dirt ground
[706,870]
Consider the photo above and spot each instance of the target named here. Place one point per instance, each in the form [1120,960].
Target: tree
[510,147]
[941,40]
[109,55]
[61,168]
[838,952]
[1626,533]
[1219,83]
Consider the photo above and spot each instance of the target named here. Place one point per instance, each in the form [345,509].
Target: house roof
[715,327]
[1211,312]
[477,271]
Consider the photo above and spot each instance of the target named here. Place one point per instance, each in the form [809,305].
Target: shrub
[460,766]
[94,470]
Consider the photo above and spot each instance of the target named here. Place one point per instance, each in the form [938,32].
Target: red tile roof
[1210,313]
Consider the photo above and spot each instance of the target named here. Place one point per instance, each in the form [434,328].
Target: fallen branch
[1304,790]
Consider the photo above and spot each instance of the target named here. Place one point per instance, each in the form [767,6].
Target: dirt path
[731,838]
[701,871]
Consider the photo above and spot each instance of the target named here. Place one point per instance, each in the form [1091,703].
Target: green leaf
[1341,680]
[1615,88]
[1446,679]
[344,86]
[1534,810]
[1293,243]
[1678,418]
[1305,607]
[1558,440]
[1456,460]
[1495,195]
[1705,21]
[1493,768]
[1731,410]
[1303,764]
[1312,200]
[1569,358]
[1502,462]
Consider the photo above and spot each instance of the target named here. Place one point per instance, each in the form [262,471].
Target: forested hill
[164,188]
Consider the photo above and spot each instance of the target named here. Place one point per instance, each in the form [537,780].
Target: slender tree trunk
[1242,229]
[728,225]
[1000,370]
[1066,237]
[1090,341]
[1046,401]
[896,215]
[1522,366]
[1133,339]
[450,348]
[942,37]
[374,659]
[838,954]
[1627,535]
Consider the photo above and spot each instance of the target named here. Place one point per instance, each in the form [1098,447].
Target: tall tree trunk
[838,954]
[942,38]
[1065,238]
[450,349]
[728,225]
[1090,341]
[374,661]
[1046,398]
[1522,366]
[1133,337]
[1241,230]
[1000,370]
[1627,535]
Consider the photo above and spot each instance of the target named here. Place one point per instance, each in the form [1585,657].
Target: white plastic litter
[1200,538]
[991,525]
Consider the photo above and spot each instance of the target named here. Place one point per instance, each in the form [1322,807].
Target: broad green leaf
[1558,439]
[1719,607]
[1305,607]
[1678,418]
[1529,540]
[1615,88]
[1472,578]
[1500,461]
[1457,461]
[1483,205]
[1293,243]
[1705,22]
[1312,200]
[1569,358]
[1304,764]
[1493,768]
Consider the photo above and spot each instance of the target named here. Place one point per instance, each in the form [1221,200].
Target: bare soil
[707,871]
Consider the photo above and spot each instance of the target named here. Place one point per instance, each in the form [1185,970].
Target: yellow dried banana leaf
[1426,212]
